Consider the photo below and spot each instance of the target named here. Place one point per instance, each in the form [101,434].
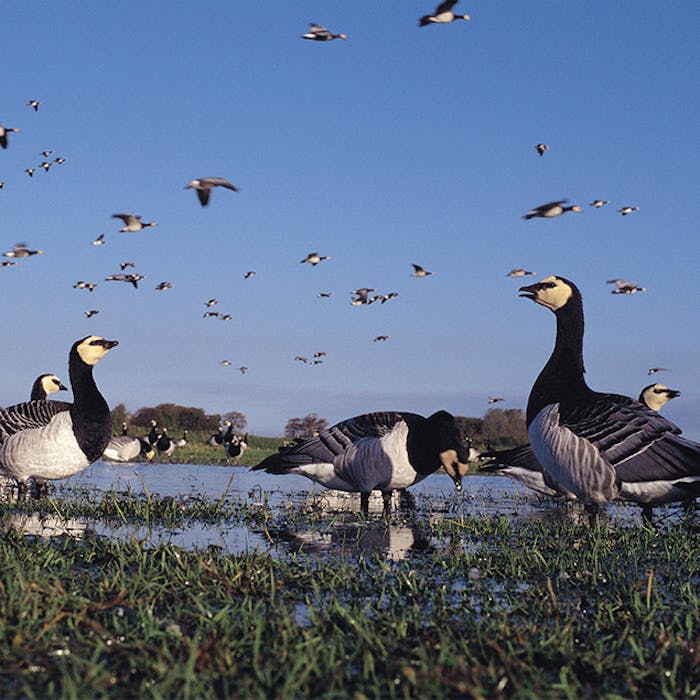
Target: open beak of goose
[530,291]
[455,469]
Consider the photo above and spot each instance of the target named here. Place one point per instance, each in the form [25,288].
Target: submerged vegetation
[477,607]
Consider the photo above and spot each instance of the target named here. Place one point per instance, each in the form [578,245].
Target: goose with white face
[551,292]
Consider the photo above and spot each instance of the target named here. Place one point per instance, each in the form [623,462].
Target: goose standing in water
[124,448]
[376,451]
[521,464]
[597,447]
[54,439]
[204,185]
[443,15]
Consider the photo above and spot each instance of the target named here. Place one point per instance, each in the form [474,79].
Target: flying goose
[132,223]
[249,274]
[163,286]
[541,148]
[495,399]
[204,185]
[380,338]
[100,240]
[4,131]
[521,464]
[21,251]
[519,272]
[376,451]
[318,33]
[654,370]
[596,446]
[598,203]
[91,312]
[361,296]
[30,171]
[133,277]
[242,369]
[418,271]
[59,160]
[314,259]
[44,385]
[54,439]
[125,264]
[45,165]
[442,15]
[551,209]
[81,284]
[627,210]
[622,286]
[34,104]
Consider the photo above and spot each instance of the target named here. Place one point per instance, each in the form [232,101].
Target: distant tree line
[498,429]
[172,415]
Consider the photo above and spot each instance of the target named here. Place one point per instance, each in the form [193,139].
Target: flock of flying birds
[585,445]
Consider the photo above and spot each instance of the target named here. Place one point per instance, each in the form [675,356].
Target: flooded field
[155,580]
[334,529]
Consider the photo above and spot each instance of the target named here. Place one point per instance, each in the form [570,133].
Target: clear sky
[399,145]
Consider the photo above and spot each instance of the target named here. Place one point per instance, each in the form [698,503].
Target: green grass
[490,609]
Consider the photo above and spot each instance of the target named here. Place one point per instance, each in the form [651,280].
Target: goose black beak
[531,290]
[672,393]
[107,344]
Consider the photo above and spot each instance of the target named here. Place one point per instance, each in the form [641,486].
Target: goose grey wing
[521,457]
[203,196]
[638,442]
[445,6]
[27,415]
[332,442]
[219,182]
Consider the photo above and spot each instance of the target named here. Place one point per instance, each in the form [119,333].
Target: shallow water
[340,534]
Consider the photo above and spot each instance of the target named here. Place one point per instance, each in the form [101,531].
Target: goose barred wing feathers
[332,442]
[27,415]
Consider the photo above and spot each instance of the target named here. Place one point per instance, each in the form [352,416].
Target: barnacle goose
[318,33]
[376,451]
[132,223]
[541,148]
[217,438]
[235,446]
[4,131]
[54,439]
[595,446]
[124,448]
[521,464]
[44,385]
[165,444]
[314,259]
[442,15]
[551,209]
[204,185]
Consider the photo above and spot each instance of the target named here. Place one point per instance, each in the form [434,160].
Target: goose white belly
[48,452]
[658,492]
[367,464]
[571,462]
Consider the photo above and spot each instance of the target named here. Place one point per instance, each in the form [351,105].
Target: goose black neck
[92,423]
[562,377]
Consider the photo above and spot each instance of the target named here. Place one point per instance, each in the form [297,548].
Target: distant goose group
[376,451]
[596,447]
[51,439]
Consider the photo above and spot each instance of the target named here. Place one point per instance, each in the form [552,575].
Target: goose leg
[364,504]
[386,498]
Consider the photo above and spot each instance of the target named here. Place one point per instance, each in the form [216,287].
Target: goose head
[51,383]
[454,450]
[552,292]
[656,396]
[93,348]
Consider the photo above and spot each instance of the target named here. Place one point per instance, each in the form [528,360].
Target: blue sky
[399,145]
